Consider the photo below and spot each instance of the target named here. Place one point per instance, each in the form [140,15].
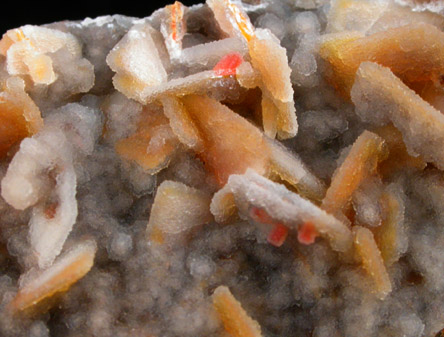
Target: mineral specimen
[233,168]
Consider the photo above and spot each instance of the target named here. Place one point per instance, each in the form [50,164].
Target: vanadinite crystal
[238,168]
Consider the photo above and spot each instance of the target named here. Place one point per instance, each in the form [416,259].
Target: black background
[17,14]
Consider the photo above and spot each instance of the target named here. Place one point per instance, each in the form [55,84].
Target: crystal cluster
[234,168]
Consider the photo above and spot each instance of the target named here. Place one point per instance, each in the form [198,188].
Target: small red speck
[51,211]
[307,233]
[278,235]
[228,64]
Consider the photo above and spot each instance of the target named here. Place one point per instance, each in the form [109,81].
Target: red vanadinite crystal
[228,64]
[260,215]
[307,233]
[278,235]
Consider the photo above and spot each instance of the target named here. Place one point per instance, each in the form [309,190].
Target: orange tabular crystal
[231,143]
[242,20]
[19,116]
[398,157]
[197,83]
[286,122]
[177,208]
[269,116]
[381,98]
[433,94]
[247,76]
[9,39]
[278,118]
[223,205]
[372,260]
[361,161]
[181,123]
[67,270]
[137,63]
[270,59]
[389,235]
[231,19]
[234,318]
[27,50]
[413,52]
[333,49]
[290,168]
[152,145]
[12,126]
[40,68]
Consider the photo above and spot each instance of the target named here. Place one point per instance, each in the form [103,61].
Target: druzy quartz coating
[234,168]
